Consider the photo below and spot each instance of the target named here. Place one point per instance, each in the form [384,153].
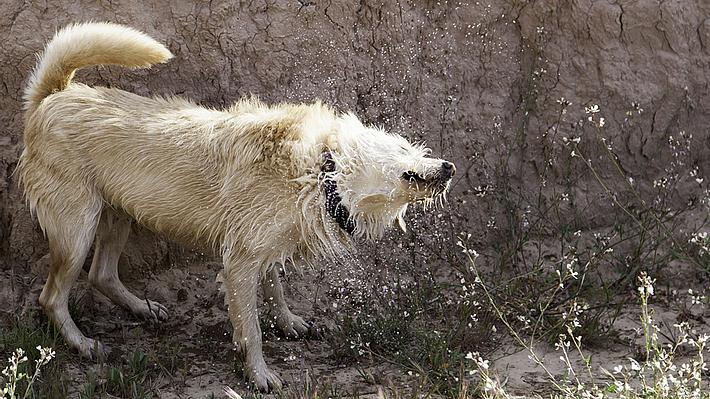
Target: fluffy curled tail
[82,45]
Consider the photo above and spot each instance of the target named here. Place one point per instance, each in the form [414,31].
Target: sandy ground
[523,377]
[193,348]
[195,357]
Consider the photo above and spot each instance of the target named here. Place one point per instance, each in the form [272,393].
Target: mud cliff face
[470,79]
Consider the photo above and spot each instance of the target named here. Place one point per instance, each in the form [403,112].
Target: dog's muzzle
[437,181]
[333,200]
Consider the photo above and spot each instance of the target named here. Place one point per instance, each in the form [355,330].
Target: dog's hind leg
[241,282]
[291,325]
[69,219]
[111,236]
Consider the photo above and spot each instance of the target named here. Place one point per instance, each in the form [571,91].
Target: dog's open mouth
[413,177]
[427,187]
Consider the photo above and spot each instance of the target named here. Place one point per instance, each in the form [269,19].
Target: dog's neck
[333,201]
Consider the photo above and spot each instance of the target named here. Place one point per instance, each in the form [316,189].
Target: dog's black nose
[448,169]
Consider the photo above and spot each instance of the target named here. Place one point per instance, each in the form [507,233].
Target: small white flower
[593,109]
[635,366]
[490,385]
[564,102]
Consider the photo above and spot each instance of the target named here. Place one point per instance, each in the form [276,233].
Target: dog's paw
[151,311]
[291,325]
[264,379]
[91,349]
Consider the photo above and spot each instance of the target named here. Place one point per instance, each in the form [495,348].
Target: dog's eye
[412,177]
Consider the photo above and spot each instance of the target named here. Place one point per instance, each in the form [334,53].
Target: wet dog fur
[247,181]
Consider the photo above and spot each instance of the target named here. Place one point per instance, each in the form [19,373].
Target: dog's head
[378,174]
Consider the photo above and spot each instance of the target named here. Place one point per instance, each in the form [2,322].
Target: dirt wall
[468,77]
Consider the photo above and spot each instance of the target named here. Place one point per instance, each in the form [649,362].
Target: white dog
[263,185]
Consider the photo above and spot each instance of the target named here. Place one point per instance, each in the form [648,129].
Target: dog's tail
[82,45]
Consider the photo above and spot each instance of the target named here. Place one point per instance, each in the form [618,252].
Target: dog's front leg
[241,281]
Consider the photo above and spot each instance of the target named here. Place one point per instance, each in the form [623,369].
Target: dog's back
[138,154]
